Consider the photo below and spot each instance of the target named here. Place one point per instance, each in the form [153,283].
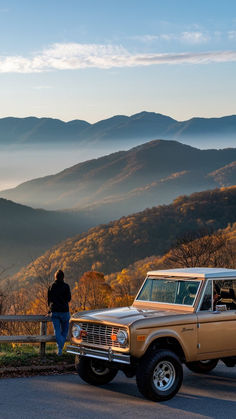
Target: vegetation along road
[66,396]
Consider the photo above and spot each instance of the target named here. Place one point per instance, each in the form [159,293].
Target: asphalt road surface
[67,397]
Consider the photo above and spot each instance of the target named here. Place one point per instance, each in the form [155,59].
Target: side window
[224,294]
[207,298]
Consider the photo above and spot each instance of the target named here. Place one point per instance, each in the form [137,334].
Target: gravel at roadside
[31,370]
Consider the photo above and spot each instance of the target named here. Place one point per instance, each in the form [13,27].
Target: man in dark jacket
[59,297]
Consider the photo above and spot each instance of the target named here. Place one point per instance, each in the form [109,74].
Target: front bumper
[108,355]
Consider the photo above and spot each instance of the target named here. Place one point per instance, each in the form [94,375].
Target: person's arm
[68,293]
[49,296]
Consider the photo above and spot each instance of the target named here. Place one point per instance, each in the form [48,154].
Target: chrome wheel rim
[164,376]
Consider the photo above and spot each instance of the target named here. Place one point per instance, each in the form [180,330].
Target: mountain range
[119,130]
[126,182]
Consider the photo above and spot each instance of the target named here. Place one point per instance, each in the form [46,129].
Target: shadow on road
[207,406]
[212,395]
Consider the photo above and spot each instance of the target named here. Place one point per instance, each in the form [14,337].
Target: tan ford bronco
[179,316]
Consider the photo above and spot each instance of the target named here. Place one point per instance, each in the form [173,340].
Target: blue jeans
[61,326]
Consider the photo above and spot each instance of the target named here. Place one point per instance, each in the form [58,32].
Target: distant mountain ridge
[135,129]
[32,130]
[129,181]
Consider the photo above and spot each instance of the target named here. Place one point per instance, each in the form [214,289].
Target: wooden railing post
[42,338]
[43,332]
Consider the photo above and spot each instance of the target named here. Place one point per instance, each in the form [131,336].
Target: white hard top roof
[196,272]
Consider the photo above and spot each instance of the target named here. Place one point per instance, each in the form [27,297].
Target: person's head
[59,275]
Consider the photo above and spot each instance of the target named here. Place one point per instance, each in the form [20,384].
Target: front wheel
[94,371]
[202,367]
[159,375]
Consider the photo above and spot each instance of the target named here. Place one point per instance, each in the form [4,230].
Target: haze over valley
[34,147]
[129,181]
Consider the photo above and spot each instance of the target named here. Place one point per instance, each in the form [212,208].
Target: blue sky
[73,59]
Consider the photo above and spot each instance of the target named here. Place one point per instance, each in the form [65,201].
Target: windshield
[169,291]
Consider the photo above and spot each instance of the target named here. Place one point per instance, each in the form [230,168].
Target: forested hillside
[199,248]
[25,233]
[111,247]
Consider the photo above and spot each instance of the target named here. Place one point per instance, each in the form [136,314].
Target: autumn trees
[91,292]
[202,248]
[197,248]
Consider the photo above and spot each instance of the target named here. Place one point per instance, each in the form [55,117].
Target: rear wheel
[159,375]
[202,367]
[94,371]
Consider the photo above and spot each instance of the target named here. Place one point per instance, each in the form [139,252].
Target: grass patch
[12,355]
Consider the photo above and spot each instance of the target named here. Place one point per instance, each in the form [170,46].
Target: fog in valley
[19,165]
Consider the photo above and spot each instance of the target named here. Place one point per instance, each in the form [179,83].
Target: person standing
[59,296]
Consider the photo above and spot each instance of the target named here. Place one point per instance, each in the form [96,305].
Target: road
[67,397]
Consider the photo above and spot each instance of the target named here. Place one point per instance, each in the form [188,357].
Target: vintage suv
[179,316]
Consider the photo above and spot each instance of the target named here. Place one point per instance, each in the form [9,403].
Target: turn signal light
[113,338]
[141,338]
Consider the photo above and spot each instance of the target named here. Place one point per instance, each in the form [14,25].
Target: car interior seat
[227,296]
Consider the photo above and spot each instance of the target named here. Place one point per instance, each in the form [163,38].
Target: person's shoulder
[53,285]
[67,286]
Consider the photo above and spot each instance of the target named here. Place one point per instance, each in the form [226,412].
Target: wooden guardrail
[42,338]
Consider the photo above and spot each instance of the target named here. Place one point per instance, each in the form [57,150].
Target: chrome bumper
[99,354]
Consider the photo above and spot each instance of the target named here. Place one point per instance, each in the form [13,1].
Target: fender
[170,333]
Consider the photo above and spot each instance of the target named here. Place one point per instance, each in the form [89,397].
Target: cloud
[72,56]
[194,37]
[232,35]
[145,38]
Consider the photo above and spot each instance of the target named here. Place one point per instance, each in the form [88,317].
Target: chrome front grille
[100,334]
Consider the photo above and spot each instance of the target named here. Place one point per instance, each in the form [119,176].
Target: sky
[92,59]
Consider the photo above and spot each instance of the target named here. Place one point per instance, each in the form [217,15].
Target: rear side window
[219,295]
[224,294]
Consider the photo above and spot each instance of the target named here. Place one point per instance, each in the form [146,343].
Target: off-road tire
[94,371]
[202,367]
[159,375]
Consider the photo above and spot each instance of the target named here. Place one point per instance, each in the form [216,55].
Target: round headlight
[76,330]
[122,337]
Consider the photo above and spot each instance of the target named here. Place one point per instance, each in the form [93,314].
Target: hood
[125,315]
